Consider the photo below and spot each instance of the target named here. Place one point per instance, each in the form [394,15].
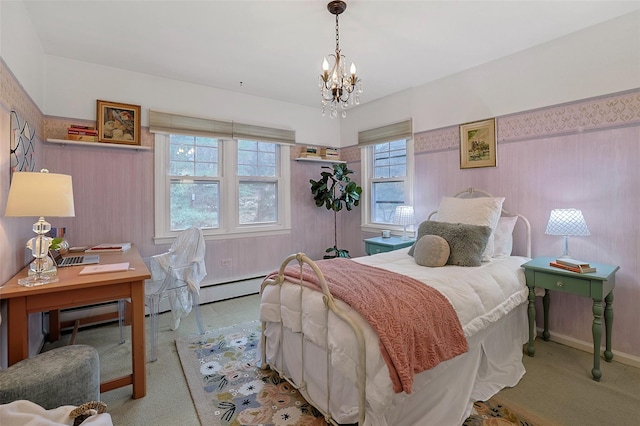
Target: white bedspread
[480,295]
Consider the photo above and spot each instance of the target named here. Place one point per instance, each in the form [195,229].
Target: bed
[342,357]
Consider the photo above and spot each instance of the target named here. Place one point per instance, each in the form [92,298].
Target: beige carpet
[557,384]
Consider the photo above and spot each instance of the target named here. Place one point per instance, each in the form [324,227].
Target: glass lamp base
[41,271]
[35,280]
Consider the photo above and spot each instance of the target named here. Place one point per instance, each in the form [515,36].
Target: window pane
[257,159]
[390,159]
[258,202]
[386,196]
[193,156]
[194,204]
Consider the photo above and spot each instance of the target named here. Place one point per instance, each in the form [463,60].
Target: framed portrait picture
[478,144]
[118,123]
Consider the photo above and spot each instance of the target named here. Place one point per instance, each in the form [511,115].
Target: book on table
[109,248]
[573,265]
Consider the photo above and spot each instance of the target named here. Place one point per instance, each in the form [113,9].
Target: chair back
[183,262]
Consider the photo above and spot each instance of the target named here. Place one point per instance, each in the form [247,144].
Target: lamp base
[41,271]
[404,237]
[565,256]
[34,280]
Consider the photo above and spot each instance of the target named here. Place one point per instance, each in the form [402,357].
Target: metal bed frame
[330,306]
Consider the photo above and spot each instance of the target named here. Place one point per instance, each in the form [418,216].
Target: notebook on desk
[61,262]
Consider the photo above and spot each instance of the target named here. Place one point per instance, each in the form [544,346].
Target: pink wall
[582,155]
[113,191]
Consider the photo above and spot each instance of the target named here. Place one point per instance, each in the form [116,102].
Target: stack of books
[82,133]
[311,152]
[573,265]
[330,154]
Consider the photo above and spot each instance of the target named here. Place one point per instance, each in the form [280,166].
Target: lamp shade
[567,222]
[404,215]
[40,194]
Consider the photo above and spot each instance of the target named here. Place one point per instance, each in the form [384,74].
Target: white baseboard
[224,291]
[208,294]
[620,357]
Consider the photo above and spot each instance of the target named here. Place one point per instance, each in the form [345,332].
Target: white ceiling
[274,49]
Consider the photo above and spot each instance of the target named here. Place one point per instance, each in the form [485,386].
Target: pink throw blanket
[416,325]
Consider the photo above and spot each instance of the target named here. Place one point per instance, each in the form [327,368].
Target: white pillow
[482,211]
[503,236]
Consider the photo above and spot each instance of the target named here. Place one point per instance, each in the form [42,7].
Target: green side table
[381,245]
[598,286]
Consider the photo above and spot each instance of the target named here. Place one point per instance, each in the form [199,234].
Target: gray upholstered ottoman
[69,375]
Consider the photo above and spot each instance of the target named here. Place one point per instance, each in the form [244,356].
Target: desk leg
[18,332]
[531,350]
[608,325]
[54,325]
[597,337]
[138,343]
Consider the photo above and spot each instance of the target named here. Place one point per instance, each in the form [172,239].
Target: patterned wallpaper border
[599,113]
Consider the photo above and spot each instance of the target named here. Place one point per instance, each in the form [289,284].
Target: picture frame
[478,144]
[118,123]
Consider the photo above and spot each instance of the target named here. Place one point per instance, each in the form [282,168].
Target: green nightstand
[597,285]
[381,245]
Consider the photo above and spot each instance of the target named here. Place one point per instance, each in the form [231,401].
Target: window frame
[367,158]
[229,226]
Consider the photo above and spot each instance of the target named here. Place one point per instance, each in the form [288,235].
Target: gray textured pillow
[466,242]
[432,251]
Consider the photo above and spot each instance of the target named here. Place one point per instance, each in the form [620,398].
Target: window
[257,183]
[194,182]
[227,187]
[388,180]
[387,168]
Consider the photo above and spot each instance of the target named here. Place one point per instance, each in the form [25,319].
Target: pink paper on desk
[101,269]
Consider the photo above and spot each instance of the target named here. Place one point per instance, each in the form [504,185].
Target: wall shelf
[99,144]
[319,160]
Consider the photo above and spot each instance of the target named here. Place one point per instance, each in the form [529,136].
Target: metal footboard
[329,306]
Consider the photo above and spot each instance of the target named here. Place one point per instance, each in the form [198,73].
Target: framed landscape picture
[478,144]
[118,123]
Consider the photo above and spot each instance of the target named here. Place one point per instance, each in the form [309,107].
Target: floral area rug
[229,390]
[493,413]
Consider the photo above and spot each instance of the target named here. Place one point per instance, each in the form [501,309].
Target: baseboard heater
[108,312]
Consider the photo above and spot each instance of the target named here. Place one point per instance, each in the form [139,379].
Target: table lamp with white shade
[567,222]
[40,194]
[404,216]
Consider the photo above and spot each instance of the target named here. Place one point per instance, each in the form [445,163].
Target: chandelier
[336,86]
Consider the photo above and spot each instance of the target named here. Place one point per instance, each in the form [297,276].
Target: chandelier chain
[337,35]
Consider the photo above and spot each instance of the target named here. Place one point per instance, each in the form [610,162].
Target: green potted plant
[336,190]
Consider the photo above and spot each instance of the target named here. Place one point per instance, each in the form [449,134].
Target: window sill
[226,236]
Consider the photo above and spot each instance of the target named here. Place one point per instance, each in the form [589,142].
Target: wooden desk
[76,290]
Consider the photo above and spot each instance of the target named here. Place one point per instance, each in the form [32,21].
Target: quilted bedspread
[479,295]
[417,326]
